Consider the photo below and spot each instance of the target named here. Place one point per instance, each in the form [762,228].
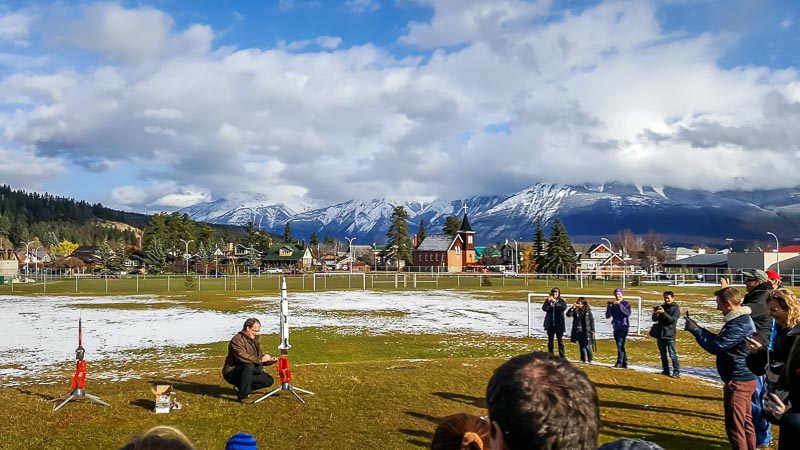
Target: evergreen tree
[156,260]
[538,246]
[560,256]
[422,234]
[328,240]
[451,225]
[287,233]
[313,240]
[399,240]
[204,256]
[111,260]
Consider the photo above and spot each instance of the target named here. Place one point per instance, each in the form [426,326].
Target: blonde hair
[461,432]
[788,302]
[161,437]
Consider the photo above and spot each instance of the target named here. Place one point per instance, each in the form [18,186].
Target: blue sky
[158,105]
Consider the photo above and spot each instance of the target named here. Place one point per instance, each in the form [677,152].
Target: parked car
[216,274]
[274,270]
[639,272]
[509,273]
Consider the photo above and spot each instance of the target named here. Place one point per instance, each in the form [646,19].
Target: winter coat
[756,300]
[242,350]
[582,322]
[729,345]
[781,346]
[665,323]
[554,315]
[790,421]
[619,312]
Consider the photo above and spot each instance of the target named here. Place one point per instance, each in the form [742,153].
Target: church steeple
[468,236]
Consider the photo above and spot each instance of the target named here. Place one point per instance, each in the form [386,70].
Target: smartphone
[686,315]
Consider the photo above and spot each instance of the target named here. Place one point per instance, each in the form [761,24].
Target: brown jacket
[242,350]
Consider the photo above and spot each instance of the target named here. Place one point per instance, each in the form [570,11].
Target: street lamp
[187,255]
[36,261]
[777,252]
[350,247]
[27,254]
[516,256]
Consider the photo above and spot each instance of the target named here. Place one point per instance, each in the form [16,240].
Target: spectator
[774,279]
[783,307]
[787,412]
[582,327]
[619,310]
[160,438]
[666,317]
[730,347]
[241,441]
[461,432]
[244,365]
[538,401]
[554,308]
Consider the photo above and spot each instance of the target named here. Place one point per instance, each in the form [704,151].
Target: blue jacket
[619,312]
[729,345]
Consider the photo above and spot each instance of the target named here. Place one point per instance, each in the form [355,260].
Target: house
[288,255]
[445,253]
[678,253]
[598,259]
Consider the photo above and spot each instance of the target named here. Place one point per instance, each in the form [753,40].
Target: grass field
[373,390]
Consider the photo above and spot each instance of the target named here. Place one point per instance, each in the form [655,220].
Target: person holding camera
[666,317]
[618,310]
[554,308]
[782,306]
[582,327]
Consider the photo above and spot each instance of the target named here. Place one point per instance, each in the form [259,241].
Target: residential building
[441,252]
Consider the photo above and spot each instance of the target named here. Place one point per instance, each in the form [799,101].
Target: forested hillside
[50,219]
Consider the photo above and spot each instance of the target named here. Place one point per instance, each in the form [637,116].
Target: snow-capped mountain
[588,212]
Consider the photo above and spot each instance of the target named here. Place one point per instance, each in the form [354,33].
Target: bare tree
[626,243]
[652,248]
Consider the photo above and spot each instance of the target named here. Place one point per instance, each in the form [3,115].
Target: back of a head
[241,441]
[542,402]
[461,432]
[160,438]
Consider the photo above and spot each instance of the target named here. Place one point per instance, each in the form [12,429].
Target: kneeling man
[244,366]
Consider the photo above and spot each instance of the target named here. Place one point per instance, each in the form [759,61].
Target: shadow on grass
[49,398]
[421,438]
[209,390]
[144,404]
[655,391]
[659,409]
[471,400]
[667,437]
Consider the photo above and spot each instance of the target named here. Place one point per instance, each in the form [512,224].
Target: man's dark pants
[551,334]
[739,414]
[619,337]
[667,346]
[248,378]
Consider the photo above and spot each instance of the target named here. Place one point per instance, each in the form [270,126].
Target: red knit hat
[772,275]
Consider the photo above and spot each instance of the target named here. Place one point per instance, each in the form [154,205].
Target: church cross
[465,208]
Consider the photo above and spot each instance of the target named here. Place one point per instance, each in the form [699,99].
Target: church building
[444,253]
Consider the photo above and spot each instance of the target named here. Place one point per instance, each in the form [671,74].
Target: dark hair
[555,289]
[541,401]
[160,438]
[461,432]
[669,294]
[250,322]
[730,295]
[584,302]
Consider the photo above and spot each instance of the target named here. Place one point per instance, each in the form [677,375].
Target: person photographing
[582,327]
[666,318]
[554,308]
[618,310]
[244,365]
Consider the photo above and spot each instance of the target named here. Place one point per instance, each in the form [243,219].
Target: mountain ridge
[588,212]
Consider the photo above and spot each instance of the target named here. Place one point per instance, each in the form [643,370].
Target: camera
[610,303]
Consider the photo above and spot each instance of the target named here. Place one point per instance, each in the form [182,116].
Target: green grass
[372,391]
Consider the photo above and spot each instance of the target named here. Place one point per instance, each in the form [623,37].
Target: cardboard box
[163,393]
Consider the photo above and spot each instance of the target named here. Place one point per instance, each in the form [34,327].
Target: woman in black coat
[582,327]
[781,364]
[554,308]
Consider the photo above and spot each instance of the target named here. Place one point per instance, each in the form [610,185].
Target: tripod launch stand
[79,378]
[283,361]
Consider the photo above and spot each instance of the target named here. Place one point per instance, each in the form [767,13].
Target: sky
[157,105]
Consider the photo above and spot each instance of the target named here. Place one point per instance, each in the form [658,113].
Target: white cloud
[288,5]
[158,196]
[787,23]
[21,169]
[15,28]
[604,88]
[362,6]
